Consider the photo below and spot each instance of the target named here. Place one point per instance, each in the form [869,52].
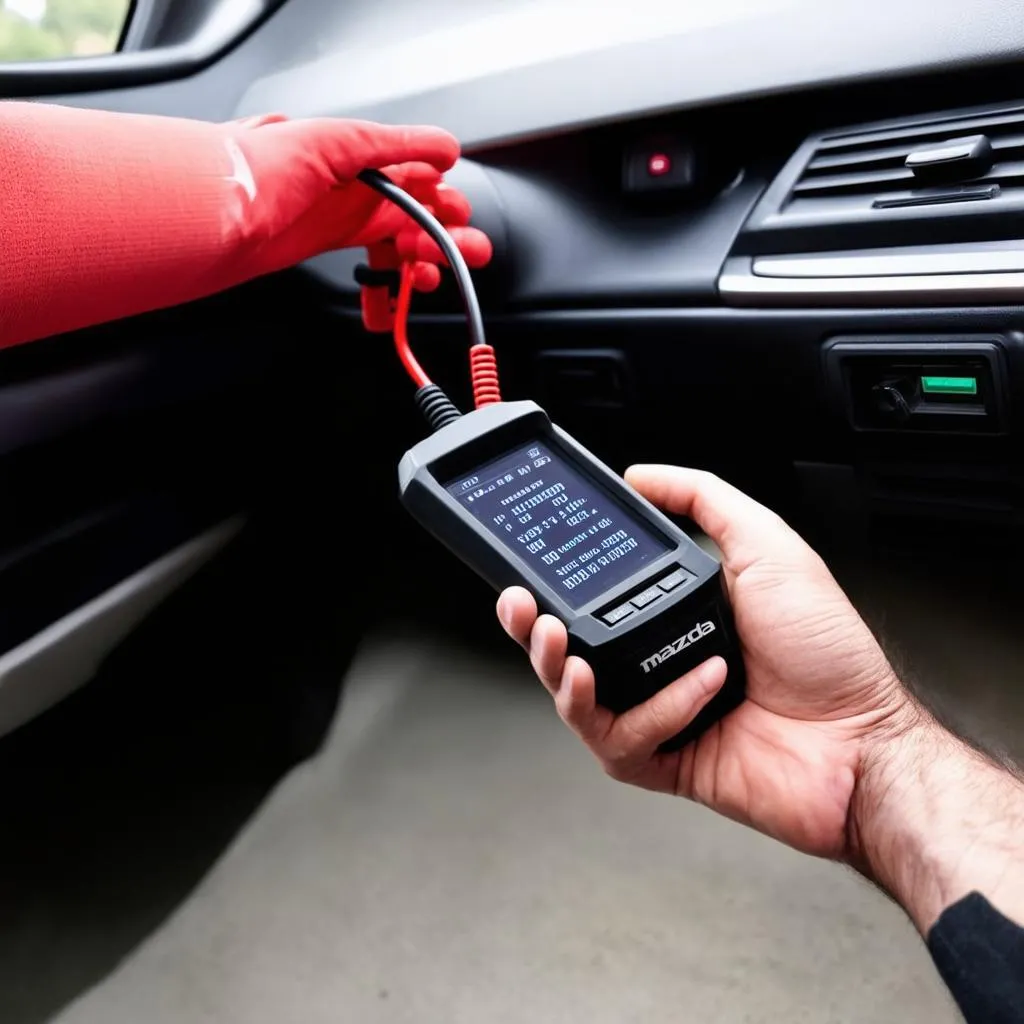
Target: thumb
[731,519]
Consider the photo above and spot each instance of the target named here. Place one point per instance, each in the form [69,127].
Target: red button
[658,164]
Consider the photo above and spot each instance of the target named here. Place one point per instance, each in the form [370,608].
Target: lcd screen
[569,530]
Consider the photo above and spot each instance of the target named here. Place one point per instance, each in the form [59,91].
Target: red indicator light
[658,164]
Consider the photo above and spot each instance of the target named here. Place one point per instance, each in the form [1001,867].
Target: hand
[307,199]
[820,693]
[110,215]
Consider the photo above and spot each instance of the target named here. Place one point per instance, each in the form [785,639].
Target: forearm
[933,819]
[108,215]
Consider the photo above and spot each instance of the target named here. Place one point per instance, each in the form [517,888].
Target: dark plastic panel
[568,250]
[556,245]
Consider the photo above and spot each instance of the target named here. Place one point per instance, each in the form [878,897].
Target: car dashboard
[778,240]
[762,289]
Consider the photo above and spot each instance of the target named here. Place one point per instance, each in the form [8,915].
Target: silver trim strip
[889,264]
[738,286]
[48,666]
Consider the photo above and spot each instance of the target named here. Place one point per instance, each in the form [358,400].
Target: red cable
[409,361]
[483,366]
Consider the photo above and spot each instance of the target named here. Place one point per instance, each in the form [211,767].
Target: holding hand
[820,692]
[109,215]
[306,199]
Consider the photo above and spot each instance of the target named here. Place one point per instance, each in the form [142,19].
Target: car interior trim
[62,657]
[977,258]
[739,285]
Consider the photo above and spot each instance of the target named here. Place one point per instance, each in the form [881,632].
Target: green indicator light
[949,385]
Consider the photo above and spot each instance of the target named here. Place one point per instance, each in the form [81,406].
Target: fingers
[544,638]
[376,303]
[427,184]
[627,744]
[569,680]
[549,644]
[517,612]
[352,146]
[451,206]
[634,737]
[416,177]
[577,704]
[414,244]
[425,277]
[725,514]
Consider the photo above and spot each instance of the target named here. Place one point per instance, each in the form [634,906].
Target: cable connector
[483,369]
[437,408]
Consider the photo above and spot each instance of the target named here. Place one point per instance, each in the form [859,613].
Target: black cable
[386,187]
[437,408]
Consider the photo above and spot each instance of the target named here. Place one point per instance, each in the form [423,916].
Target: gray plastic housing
[633,658]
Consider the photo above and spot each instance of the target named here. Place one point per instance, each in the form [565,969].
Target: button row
[618,614]
[676,579]
[648,596]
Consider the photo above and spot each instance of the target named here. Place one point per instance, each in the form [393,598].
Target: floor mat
[453,855]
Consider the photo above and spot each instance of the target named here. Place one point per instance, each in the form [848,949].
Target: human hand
[820,692]
[110,214]
[307,199]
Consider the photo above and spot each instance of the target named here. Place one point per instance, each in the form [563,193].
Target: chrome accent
[893,263]
[994,276]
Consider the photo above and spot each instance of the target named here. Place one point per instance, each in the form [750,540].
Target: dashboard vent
[876,164]
[947,178]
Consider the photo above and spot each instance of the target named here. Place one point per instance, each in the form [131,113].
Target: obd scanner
[522,503]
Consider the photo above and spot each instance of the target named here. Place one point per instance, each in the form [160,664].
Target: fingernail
[535,643]
[709,672]
[565,683]
[504,612]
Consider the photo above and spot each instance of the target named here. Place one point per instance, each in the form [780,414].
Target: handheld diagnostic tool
[521,502]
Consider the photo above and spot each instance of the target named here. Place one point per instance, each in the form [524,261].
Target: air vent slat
[864,182]
[874,163]
[1010,172]
[894,156]
[990,124]
[1007,173]
[952,178]
[882,157]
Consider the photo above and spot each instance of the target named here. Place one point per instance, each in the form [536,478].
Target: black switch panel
[659,164]
[953,386]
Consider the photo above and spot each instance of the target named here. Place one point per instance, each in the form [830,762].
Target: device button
[643,599]
[675,579]
[618,614]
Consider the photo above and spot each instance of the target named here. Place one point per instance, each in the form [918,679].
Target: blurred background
[41,29]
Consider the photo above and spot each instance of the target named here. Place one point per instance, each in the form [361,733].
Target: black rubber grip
[367,277]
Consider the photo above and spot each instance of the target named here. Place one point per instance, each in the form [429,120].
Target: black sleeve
[980,955]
